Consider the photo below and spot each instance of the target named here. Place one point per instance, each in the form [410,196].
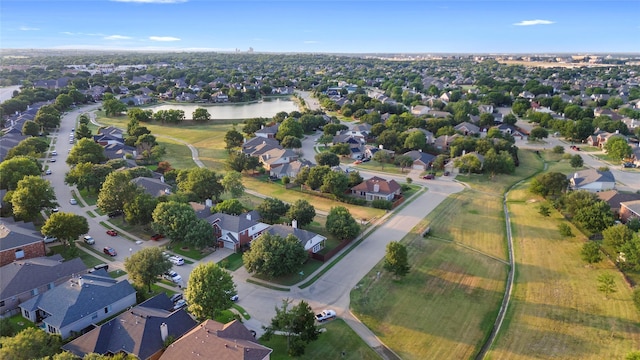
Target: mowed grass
[331,344]
[556,310]
[444,307]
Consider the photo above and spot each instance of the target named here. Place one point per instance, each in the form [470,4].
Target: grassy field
[444,307]
[331,344]
[556,310]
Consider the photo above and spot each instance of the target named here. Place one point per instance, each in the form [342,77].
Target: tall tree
[576,161]
[30,128]
[88,176]
[173,219]
[233,139]
[297,324]
[616,236]
[209,290]
[273,256]
[67,227]
[140,209]
[30,343]
[86,150]
[113,107]
[591,252]
[382,157]
[335,182]
[200,234]
[327,158]
[415,141]
[83,132]
[236,161]
[396,259]
[290,127]
[315,178]
[302,211]
[15,169]
[618,148]
[272,209]
[201,114]
[32,194]
[596,217]
[404,161]
[116,191]
[200,184]
[341,224]
[145,265]
[230,206]
[325,139]
[232,183]
[549,184]
[291,142]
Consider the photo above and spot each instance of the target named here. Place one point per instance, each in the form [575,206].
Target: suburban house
[268,132]
[214,340]
[19,241]
[79,303]
[254,143]
[443,142]
[24,279]
[428,135]
[629,210]
[10,139]
[420,110]
[276,157]
[600,137]
[466,128]
[140,331]
[152,186]
[377,188]
[311,241]
[511,130]
[291,169]
[233,232]
[485,109]
[370,150]
[615,198]
[421,160]
[118,151]
[592,180]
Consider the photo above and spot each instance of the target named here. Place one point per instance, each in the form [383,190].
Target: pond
[265,108]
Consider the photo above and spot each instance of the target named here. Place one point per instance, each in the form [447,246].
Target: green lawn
[289,280]
[90,198]
[339,341]
[232,262]
[88,259]
[188,251]
[375,166]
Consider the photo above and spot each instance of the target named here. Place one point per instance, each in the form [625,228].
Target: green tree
[354,178]
[15,169]
[302,212]
[290,127]
[617,235]
[232,183]
[618,148]
[498,163]
[551,184]
[67,227]
[30,343]
[201,114]
[404,161]
[88,176]
[558,149]
[199,234]
[173,219]
[415,141]
[544,210]
[297,324]
[273,256]
[316,175]
[200,184]
[233,139]
[116,191]
[291,142]
[396,259]
[30,128]
[48,117]
[32,194]
[230,206]
[140,209]
[209,291]
[138,115]
[341,224]
[236,161]
[272,209]
[469,163]
[83,132]
[325,139]
[596,217]
[576,161]
[327,158]
[636,298]
[145,265]
[607,284]
[538,133]
[63,102]
[86,150]
[565,230]
[113,107]
[341,149]
[631,250]
[382,157]
[634,355]
[335,182]
[591,252]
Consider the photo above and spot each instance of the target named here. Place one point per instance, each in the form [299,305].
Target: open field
[556,310]
[331,344]
[444,307]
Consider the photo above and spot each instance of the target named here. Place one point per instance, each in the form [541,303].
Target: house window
[34,292]
[51,285]
[19,254]
[25,313]
[51,329]
[317,247]
[1,303]
[107,309]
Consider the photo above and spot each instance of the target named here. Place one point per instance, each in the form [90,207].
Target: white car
[173,277]
[49,239]
[48,172]
[180,304]
[54,153]
[176,260]
[89,240]
[73,202]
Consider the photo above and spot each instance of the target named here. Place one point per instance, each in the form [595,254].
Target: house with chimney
[592,180]
[140,331]
[234,232]
[311,241]
[79,303]
[377,188]
[152,186]
[268,132]
[214,340]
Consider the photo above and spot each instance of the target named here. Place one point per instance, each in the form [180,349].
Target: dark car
[446,173]
[109,251]
[429,177]
[115,213]
[156,237]
[366,160]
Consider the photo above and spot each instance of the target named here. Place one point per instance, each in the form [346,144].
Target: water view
[266,108]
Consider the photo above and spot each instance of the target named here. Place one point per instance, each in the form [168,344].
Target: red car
[157,237]
[112,232]
[429,177]
[109,251]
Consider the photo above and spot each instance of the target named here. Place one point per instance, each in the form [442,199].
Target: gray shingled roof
[16,234]
[136,331]
[233,223]
[69,302]
[283,230]
[153,187]
[424,157]
[588,176]
[22,276]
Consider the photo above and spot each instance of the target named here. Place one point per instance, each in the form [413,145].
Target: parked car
[100,266]
[52,160]
[115,213]
[357,162]
[180,304]
[112,233]
[173,277]
[176,260]
[89,240]
[175,297]
[48,172]
[429,177]
[366,160]
[109,251]
[55,210]
[49,239]
[446,173]
[54,153]
[629,165]
[156,237]
[235,297]
[73,202]
[325,315]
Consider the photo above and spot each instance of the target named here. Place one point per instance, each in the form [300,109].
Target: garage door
[418,167]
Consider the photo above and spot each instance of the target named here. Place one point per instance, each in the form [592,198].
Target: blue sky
[351,26]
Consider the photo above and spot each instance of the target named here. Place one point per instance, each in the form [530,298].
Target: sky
[319,26]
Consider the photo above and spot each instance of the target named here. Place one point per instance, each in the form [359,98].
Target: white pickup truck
[325,315]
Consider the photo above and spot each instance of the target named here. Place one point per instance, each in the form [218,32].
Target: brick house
[19,241]
[630,210]
[377,188]
[233,232]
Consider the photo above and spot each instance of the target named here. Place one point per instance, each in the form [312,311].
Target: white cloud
[152,1]
[28,28]
[310,42]
[163,38]
[117,37]
[534,22]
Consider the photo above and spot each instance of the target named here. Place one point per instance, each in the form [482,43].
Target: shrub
[636,298]
[559,149]
[286,180]
[382,204]
[565,230]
